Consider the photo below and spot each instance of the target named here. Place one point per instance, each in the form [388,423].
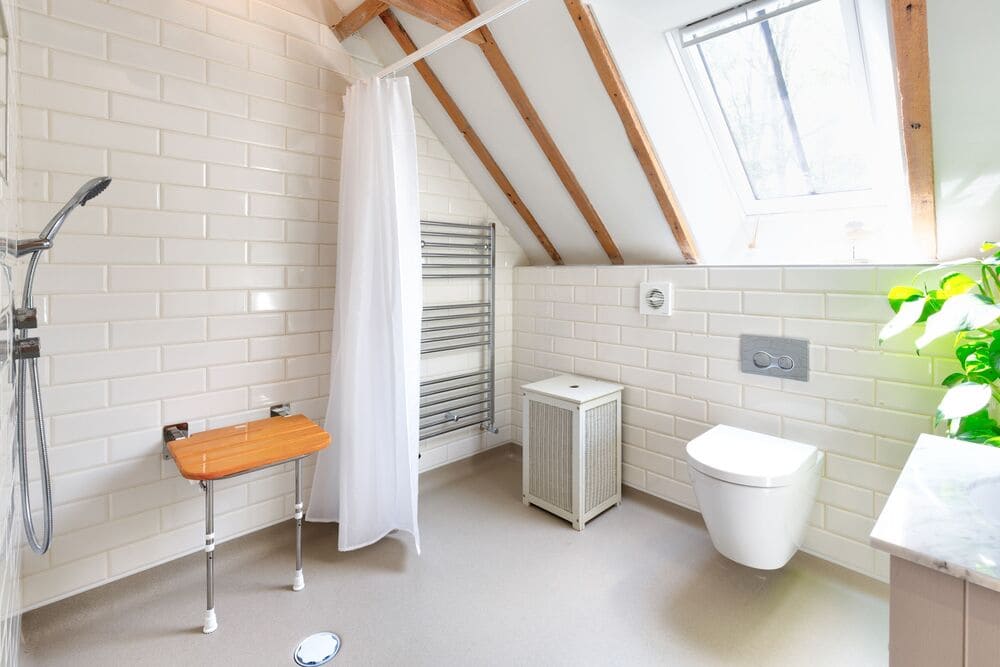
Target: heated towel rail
[453,251]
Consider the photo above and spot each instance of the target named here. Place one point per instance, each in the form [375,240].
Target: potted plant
[965,307]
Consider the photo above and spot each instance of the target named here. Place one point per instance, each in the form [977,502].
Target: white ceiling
[546,52]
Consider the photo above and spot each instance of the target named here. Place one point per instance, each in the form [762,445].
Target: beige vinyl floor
[497,583]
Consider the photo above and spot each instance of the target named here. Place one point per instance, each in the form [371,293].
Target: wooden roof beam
[358,18]
[475,143]
[445,14]
[611,77]
[510,82]
[909,37]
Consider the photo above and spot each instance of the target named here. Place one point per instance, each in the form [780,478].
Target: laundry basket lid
[572,388]
[752,459]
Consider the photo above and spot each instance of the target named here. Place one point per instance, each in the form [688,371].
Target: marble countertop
[935,515]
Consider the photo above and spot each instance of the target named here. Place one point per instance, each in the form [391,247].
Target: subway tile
[157,332]
[245,374]
[245,277]
[709,390]
[245,228]
[869,475]
[227,177]
[72,128]
[72,308]
[187,304]
[77,397]
[244,130]
[52,156]
[159,224]
[199,355]
[246,326]
[786,304]
[157,386]
[204,200]
[60,96]
[829,279]
[157,115]
[238,78]
[201,251]
[712,301]
[104,75]
[99,365]
[106,17]
[99,423]
[673,362]
[204,405]
[286,115]
[283,300]
[155,58]
[207,46]
[202,96]
[156,169]
[245,32]
[64,35]
[744,278]
[184,12]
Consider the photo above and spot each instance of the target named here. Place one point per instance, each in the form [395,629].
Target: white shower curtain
[367,479]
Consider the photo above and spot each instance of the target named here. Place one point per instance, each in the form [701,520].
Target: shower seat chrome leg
[299,583]
[211,623]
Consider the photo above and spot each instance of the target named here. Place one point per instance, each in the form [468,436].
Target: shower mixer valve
[25,318]
[27,348]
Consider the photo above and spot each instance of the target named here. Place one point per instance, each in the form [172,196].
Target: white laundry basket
[572,446]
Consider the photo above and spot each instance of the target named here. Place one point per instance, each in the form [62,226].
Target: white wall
[864,406]
[10,540]
[965,59]
[198,287]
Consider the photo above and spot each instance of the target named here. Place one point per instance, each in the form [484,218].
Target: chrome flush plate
[775,357]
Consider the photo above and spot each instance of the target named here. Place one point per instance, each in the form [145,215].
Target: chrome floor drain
[317,649]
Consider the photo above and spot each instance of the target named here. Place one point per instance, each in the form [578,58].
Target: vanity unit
[941,527]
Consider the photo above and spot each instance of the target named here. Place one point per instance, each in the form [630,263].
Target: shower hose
[24,367]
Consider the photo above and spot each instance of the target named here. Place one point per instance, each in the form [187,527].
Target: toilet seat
[750,459]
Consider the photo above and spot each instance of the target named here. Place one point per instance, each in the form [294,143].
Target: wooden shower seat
[236,450]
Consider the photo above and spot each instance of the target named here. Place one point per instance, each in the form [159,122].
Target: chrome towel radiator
[453,251]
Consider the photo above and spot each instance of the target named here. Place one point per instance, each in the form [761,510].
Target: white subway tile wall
[198,287]
[10,537]
[864,405]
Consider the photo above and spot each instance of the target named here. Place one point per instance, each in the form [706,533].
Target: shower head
[87,191]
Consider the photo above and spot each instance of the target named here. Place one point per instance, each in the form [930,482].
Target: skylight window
[783,87]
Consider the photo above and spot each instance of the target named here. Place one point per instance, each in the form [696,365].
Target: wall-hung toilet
[755,492]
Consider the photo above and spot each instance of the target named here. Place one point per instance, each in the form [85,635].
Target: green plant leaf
[908,314]
[964,399]
[954,284]
[901,294]
[954,379]
[987,246]
[959,313]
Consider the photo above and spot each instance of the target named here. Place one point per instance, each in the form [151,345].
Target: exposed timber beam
[358,17]
[510,82]
[909,30]
[611,77]
[475,143]
[445,14]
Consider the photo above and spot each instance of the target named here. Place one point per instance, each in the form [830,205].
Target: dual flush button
[786,358]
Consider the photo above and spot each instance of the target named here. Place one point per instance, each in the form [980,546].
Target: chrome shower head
[87,191]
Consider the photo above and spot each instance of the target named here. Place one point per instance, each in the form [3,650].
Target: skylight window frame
[708,107]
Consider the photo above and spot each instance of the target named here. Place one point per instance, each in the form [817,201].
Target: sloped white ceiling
[548,56]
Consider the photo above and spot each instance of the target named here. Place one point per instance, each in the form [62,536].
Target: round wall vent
[655,298]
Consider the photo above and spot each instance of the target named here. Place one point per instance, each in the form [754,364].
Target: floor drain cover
[317,649]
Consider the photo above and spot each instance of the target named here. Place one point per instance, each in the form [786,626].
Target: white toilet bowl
[755,493]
